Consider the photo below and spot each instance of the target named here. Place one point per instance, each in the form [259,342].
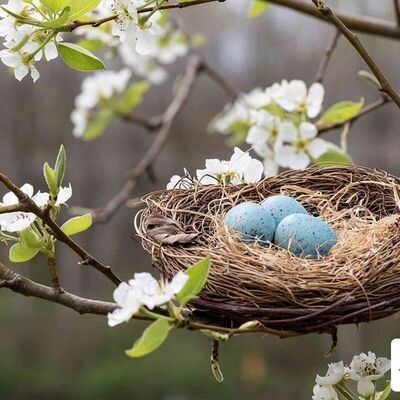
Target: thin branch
[192,69]
[386,87]
[323,127]
[10,208]
[327,56]
[359,23]
[22,285]
[26,204]
[77,24]
[396,6]
[220,80]
[151,124]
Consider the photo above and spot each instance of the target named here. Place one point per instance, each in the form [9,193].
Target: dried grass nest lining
[358,281]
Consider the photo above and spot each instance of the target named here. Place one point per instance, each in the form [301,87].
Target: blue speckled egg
[305,235]
[281,206]
[252,221]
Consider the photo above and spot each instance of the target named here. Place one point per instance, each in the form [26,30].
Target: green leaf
[257,7]
[369,78]
[275,109]
[79,58]
[60,21]
[50,178]
[77,224]
[342,111]
[153,337]
[100,122]
[132,97]
[30,239]
[239,130]
[215,335]
[334,156]
[82,7]
[55,6]
[59,168]
[385,393]
[198,274]
[20,253]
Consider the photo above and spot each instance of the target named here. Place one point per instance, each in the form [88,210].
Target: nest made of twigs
[358,281]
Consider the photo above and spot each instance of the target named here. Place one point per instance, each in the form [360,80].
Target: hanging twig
[386,87]
[327,56]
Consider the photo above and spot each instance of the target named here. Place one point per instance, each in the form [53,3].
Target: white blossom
[366,368]
[20,63]
[128,304]
[152,293]
[336,373]
[125,25]
[324,393]
[18,221]
[143,290]
[180,182]
[96,88]
[302,145]
[236,113]
[240,168]
[8,25]
[144,66]
[293,96]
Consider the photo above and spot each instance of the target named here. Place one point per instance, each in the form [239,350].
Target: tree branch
[396,6]
[327,56]
[192,69]
[359,23]
[386,87]
[77,24]
[22,285]
[26,204]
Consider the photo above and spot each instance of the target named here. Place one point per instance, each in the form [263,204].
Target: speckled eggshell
[252,221]
[305,235]
[281,206]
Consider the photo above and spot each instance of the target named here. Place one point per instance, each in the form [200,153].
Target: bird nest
[358,281]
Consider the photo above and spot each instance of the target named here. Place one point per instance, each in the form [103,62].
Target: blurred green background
[49,352]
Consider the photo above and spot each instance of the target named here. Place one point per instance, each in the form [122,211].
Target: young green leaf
[385,393]
[132,97]
[79,58]
[59,168]
[58,22]
[334,156]
[77,224]
[55,6]
[369,78]
[82,7]
[99,124]
[153,337]
[198,274]
[20,253]
[31,239]
[215,335]
[50,178]
[257,7]
[342,111]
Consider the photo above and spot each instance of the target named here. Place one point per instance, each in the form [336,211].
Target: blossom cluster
[143,44]
[276,122]
[143,290]
[96,90]
[25,44]
[365,370]
[18,221]
[241,168]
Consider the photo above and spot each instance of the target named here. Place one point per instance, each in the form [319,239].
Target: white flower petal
[253,172]
[308,130]
[317,147]
[288,132]
[64,195]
